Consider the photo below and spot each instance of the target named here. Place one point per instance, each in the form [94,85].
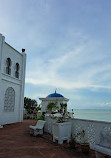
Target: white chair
[38,128]
[1,126]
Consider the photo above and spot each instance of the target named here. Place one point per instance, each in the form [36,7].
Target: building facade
[12,80]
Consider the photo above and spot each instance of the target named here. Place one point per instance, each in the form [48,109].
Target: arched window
[9,101]
[17,70]
[8,67]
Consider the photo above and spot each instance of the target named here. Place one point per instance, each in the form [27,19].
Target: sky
[68,47]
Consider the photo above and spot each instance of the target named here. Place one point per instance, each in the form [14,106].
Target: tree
[30,104]
[38,107]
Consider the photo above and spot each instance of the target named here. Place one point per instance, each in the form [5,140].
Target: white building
[54,97]
[12,78]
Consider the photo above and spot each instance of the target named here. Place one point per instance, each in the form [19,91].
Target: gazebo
[53,98]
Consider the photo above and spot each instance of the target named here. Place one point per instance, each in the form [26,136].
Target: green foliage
[81,136]
[40,118]
[63,117]
[30,104]
[38,108]
[63,107]
[60,120]
[52,106]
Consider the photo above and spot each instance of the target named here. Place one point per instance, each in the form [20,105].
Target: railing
[92,128]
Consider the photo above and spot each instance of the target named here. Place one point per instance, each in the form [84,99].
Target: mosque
[12,78]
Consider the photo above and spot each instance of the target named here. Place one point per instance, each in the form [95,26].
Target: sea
[98,115]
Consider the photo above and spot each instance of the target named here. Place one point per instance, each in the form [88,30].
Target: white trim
[18,79]
[13,48]
[54,98]
[11,81]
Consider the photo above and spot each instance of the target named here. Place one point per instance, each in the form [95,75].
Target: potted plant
[84,145]
[72,142]
[61,129]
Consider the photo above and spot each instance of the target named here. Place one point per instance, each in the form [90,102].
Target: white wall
[6,81]
[10,117]
[15,56]
[44,106]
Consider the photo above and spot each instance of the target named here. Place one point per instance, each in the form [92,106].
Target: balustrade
[92,128]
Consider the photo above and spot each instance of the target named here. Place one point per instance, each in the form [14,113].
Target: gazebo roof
[53,95]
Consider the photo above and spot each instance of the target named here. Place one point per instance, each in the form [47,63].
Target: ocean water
[99,115]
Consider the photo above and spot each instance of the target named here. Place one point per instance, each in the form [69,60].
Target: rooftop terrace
[16,142]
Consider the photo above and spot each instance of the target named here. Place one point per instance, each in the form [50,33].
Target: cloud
[67,50]
[103,104]
[70,70]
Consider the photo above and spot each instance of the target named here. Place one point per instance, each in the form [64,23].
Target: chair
[38,128]
[1,126]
